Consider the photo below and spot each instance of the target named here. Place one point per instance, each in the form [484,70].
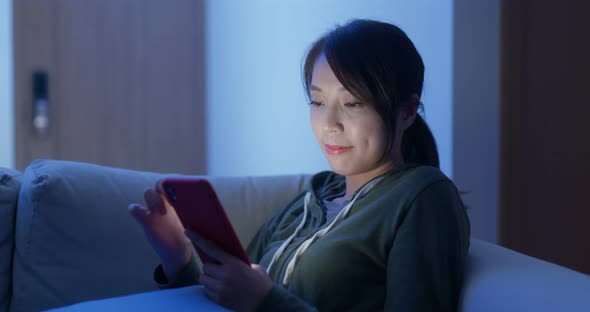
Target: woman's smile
[337,150]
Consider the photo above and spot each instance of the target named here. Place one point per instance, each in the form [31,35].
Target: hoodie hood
[327,183]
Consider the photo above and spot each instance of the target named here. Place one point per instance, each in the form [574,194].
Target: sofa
[67,238]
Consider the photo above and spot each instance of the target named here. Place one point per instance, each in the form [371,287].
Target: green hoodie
[402,247]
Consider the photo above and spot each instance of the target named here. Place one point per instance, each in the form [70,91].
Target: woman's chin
[340,169]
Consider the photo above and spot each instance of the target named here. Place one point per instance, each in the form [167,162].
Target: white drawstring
[281,249]
[305,245]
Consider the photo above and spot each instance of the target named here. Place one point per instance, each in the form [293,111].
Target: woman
[386,230]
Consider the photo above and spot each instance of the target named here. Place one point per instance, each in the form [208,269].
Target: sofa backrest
[10,182]
[76,241]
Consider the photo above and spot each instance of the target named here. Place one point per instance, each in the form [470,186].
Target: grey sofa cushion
[74,237]
[500,279]
[76,241]
[10,182]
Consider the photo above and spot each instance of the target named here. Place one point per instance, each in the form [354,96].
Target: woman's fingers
[209,248]
[166,207]
[211,286]
[139,212]
[259,269]
[213,270]
[211,294]
[154,201]
[160,191]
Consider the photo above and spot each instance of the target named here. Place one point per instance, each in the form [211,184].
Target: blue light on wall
[257,117]
[6,86]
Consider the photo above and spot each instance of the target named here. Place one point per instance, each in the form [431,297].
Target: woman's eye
[315,104]
[353,104]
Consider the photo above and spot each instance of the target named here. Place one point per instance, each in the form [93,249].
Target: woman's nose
[332,119]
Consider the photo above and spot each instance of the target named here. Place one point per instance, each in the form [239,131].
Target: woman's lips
[337,150]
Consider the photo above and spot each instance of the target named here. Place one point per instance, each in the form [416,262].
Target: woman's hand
[231,283]
[164,231]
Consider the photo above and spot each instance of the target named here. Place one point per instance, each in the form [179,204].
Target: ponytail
[418,144]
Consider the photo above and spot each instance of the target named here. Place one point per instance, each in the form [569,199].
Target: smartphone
[199,210]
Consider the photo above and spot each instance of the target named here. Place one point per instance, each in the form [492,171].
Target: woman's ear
[408,111]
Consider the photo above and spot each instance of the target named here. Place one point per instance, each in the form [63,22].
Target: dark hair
[377,63]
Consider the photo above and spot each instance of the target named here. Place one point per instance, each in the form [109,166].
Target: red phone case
[199,210]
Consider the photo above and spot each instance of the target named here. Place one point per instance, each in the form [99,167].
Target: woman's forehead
[323,77]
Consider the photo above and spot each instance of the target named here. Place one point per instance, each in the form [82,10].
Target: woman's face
[350,133]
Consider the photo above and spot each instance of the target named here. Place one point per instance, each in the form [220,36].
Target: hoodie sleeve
[426,261]
[189,275]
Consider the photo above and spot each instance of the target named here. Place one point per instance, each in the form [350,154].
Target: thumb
[259,268]
[154,201]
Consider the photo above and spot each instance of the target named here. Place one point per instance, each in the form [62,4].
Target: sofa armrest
[10,183]
[75,240]
[500,279]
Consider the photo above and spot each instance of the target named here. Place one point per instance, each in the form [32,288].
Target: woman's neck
[356,181]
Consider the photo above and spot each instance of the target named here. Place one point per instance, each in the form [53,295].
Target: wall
[544,108]
[476,112]
[6,87]
[257,119]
